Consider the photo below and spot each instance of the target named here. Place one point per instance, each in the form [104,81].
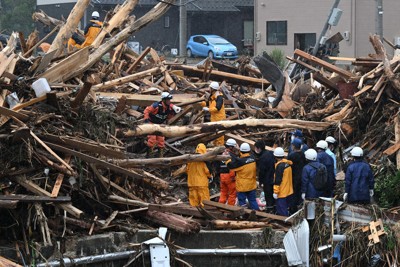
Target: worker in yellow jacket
[198,175]
[92,29]
[246,172]
[215,105]
[283,184]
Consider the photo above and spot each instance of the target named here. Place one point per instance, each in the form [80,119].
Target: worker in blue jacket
[309,174]
[299,135]
[327,160]
[359,179]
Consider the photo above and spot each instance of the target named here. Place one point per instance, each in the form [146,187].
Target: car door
[203,46]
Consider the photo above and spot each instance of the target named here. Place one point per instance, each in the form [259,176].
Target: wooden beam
[139,59]
[31,186]
[184,209]
[7,263]
[222,76]
[28,198]
[83,92]
[147,100]
[11,113]
[59,180]
[324,64]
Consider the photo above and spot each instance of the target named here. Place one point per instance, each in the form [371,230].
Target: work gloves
[345,197]
[303,196]
[371,192]
[206,109]
[275,196]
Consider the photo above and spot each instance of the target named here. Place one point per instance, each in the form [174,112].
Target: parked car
[212,46]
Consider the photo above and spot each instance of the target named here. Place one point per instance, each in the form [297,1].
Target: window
[166,22]
[276,32]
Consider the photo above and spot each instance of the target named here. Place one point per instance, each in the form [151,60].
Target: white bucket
[41,87]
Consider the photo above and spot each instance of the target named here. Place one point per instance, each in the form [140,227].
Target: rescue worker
[283,186]
[308,176]
[215,105]
[265,170]
[359,180]
[298,134]
[331,151]
[75,42]
[92,29]
[298,159]
[159,113]
[246,171]
[227,176]
[198,177]
[324,158]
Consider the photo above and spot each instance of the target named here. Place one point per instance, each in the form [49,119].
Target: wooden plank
[83,145]
[323,64]
[183,209]
[392,149]
[83,92]
[9,112]
[223,76]
[29,198]
[59,180]
[365,88]
[138,60]
[325,81]
[147,100]
[60,71]
[7,263]
[31,186]
[239,139]
[179,115]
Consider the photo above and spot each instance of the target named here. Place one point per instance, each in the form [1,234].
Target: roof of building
[193,5]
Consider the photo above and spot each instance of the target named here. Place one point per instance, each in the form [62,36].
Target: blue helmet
[297,143]
[297,133]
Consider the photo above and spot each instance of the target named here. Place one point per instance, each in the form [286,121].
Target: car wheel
[189,53]
[210,54]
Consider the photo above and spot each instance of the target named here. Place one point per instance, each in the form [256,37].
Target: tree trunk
[223,224]
[119,17]
[174,131]
[69,27]
[178,160]
[134,26]
[175,222]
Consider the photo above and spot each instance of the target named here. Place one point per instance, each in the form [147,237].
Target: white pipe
[193,252]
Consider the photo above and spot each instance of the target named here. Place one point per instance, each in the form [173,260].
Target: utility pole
[182,28]
[325,29]
[379,18]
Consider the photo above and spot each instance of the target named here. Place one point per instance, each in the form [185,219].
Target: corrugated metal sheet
[292,253]
[297,244]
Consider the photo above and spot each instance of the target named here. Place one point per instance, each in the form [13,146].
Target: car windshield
[217,40]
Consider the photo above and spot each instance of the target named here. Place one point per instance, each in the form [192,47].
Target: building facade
[233,19]
[291,24]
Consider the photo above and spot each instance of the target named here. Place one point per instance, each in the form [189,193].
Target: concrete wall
[309,16]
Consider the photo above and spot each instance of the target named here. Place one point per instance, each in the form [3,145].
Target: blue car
[212,46]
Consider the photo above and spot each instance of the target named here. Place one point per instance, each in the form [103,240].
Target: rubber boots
[150,152]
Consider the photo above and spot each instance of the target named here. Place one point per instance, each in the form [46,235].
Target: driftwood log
[178,160]
[225,224]
[174,131]
[175,222]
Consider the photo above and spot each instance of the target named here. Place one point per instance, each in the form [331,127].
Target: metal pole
[325,29]
[182,28]
[379,18]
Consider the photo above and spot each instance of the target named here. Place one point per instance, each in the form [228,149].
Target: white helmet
[311,154]
[322,144]
[214,85]
[95,14]
[166,95]
[245,147]
[357,152]
[278,152]
[230,142]
[330,140]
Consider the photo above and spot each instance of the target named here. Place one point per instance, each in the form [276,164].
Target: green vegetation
[278,56]
[16,15]
[387,190]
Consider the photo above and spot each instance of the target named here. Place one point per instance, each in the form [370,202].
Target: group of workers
[287,179]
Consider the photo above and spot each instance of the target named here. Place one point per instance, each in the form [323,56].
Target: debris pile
[72,156]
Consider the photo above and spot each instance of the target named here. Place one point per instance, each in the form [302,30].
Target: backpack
[321,178]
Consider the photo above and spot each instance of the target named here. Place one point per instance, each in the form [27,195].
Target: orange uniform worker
[159,113]
[283,184]
[198,175]
[92,29]
[227,176]
[75,42]
[215,105]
